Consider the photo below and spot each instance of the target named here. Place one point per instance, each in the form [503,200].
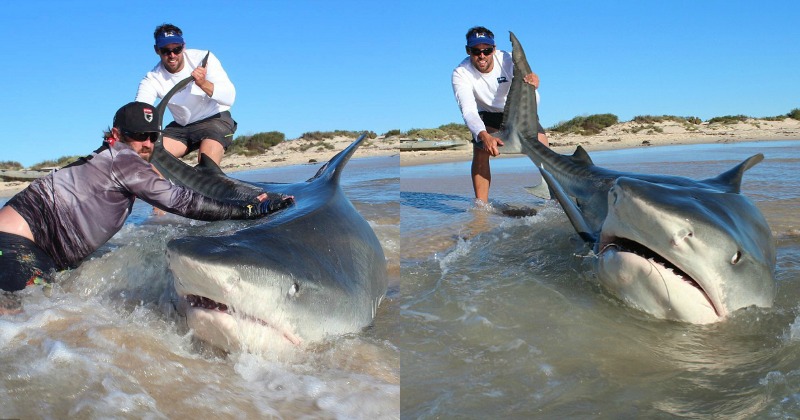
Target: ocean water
[486,316]
[500,317]
[105,344]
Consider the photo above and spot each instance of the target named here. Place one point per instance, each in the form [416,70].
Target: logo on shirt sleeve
[502,79]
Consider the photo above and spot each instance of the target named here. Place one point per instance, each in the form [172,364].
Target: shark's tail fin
[333,169]
[520,116]
[196,178]
[162,106]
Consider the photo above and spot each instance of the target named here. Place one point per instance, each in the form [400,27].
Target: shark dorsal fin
[208,165]
[332,170]
[731,180]
[580,156]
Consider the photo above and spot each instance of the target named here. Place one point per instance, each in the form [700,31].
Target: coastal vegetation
[11,165]
[255,144]
[586,125]
[58,163]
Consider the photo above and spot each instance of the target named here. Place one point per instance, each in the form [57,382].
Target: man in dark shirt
[63,217]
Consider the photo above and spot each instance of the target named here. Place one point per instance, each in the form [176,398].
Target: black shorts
[23,263]
[219,127]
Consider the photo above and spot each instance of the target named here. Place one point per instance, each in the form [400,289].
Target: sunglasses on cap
[141,136]
[477,51]
[166,51]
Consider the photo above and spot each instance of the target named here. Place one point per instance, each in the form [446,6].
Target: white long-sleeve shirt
[190,104]
[476,91]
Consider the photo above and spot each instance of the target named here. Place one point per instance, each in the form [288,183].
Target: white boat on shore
[423,144]
[20,175]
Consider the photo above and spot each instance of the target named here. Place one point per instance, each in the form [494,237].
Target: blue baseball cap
[168,37]
[480,38]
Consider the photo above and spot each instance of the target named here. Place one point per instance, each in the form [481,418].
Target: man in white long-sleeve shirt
[481,84]
[201,111]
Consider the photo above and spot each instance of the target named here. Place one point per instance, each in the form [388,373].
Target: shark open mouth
[636,248]
[203,302]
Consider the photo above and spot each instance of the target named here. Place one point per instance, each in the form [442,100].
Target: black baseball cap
[137,117]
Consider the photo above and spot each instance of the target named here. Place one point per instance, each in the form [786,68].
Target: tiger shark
[677,248]
[298,276]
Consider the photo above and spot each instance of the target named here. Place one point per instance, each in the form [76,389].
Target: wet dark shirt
[74,210]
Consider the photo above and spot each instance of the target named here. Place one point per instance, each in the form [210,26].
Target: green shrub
[392,133]
[455,131]
[58,163]
[427,133]
[256,144]
[322,135]
[10,164]
[305,145]
[652,119]
[451,131]
[586,125]
[728,119]
[794,114]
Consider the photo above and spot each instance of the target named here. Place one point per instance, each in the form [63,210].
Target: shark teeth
[203,302]
[627,245]
[196,301]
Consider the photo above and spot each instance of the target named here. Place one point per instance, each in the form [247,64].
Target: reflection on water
[510,321]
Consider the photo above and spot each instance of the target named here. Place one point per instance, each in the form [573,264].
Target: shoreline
[628,135]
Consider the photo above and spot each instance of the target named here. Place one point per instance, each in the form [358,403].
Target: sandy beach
[620,136]
[629,135]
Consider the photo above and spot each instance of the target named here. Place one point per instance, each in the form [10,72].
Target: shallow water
[501,317]
[486,316]
[106,343]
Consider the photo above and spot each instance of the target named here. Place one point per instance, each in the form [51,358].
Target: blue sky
[303,66]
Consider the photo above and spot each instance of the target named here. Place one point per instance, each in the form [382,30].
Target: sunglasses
[477,51]
[166,51]
[141,136]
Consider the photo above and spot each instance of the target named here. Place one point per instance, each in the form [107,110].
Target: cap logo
[169,34]
[148,115]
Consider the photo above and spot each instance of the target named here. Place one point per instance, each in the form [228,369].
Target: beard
[146,153]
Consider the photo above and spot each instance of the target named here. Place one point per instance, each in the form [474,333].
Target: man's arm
[147,91]
[462,89]
[137,176]
[214,81]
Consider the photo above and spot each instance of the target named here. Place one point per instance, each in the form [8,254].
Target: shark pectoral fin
[542,190]
[570,208]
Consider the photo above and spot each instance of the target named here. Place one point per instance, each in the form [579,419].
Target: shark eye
[294,289]
[736,257]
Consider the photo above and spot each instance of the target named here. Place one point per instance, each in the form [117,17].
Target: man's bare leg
[543,139]
[175,147]
[481,174]
[212,149]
